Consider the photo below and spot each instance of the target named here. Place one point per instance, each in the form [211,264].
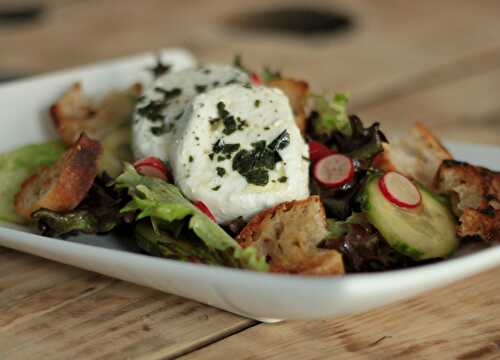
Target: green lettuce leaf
[99,212]
[332,113]
[160,200]
[16,166]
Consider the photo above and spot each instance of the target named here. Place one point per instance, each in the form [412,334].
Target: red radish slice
[152,166]
[318,151]
[204,209]
[255,79]
[334,170]
[399,190]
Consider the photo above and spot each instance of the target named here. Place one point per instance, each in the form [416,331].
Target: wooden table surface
[433,61]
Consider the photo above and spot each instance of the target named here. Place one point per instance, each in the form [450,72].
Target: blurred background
[402,61]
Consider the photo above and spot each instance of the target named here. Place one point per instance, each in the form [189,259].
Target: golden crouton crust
[74,113]
[62,186]
[288,235]
[417,156]
[423,132]
[475,195]
[296,91]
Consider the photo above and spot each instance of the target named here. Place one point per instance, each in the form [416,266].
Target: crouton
[417,156]
[75,113]
[296,91]
[62,186]
[288,236]
[475,196]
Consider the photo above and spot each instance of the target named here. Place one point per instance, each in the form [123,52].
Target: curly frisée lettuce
[164,203]
[332,113]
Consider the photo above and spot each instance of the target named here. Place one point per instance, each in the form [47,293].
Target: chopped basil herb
[305,158]
[168,94]
[211,156]
[281,141]
[221,108]
[266,128]
[229,125]
[282,179]
[221,158]
[162,129]
[257,103]
[218,146]
[220,171]
[258,177]
[191,159]
[197,138]
[255,164]
[206,71]
[232,81]
[200,88]
[179,115]
[215,84]
[153,110]
[159,68]
[216,188]
[242,123]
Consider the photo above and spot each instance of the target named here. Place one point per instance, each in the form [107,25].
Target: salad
[222,165]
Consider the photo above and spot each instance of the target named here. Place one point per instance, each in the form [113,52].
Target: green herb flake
[220,171]
[191,159]
[168,94]
[282,179]
[159,68]
[257,103]
[215,188]
[153,110]
[200,88]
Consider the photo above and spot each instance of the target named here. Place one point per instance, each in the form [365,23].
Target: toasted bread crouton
[288,236]
[74,113]
[62,186]
[417,156]
[296,91]
[475,197]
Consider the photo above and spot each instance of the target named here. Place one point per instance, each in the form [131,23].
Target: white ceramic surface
[23,109]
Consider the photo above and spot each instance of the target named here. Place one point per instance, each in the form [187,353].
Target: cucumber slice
[425,232]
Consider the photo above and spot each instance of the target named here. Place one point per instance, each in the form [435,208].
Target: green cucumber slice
[425,232]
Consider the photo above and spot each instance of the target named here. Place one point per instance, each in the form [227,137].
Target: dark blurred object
[8,76]
[306,21]
[19,14]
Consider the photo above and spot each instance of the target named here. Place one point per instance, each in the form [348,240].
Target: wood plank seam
[212,340]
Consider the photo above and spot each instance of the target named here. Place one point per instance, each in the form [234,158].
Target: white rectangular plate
[23,110]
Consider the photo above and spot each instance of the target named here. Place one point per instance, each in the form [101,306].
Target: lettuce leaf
[161,201]
[16,166]
[99,212]
[332,113]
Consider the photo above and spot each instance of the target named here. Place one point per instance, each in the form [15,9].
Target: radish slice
[399,190]
[255,79]
[204,209]
[334,170]
[152,166]
[318,151]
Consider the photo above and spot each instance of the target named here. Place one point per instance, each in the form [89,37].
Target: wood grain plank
[388,46]
[464,109]
[120,318]
[458,322]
